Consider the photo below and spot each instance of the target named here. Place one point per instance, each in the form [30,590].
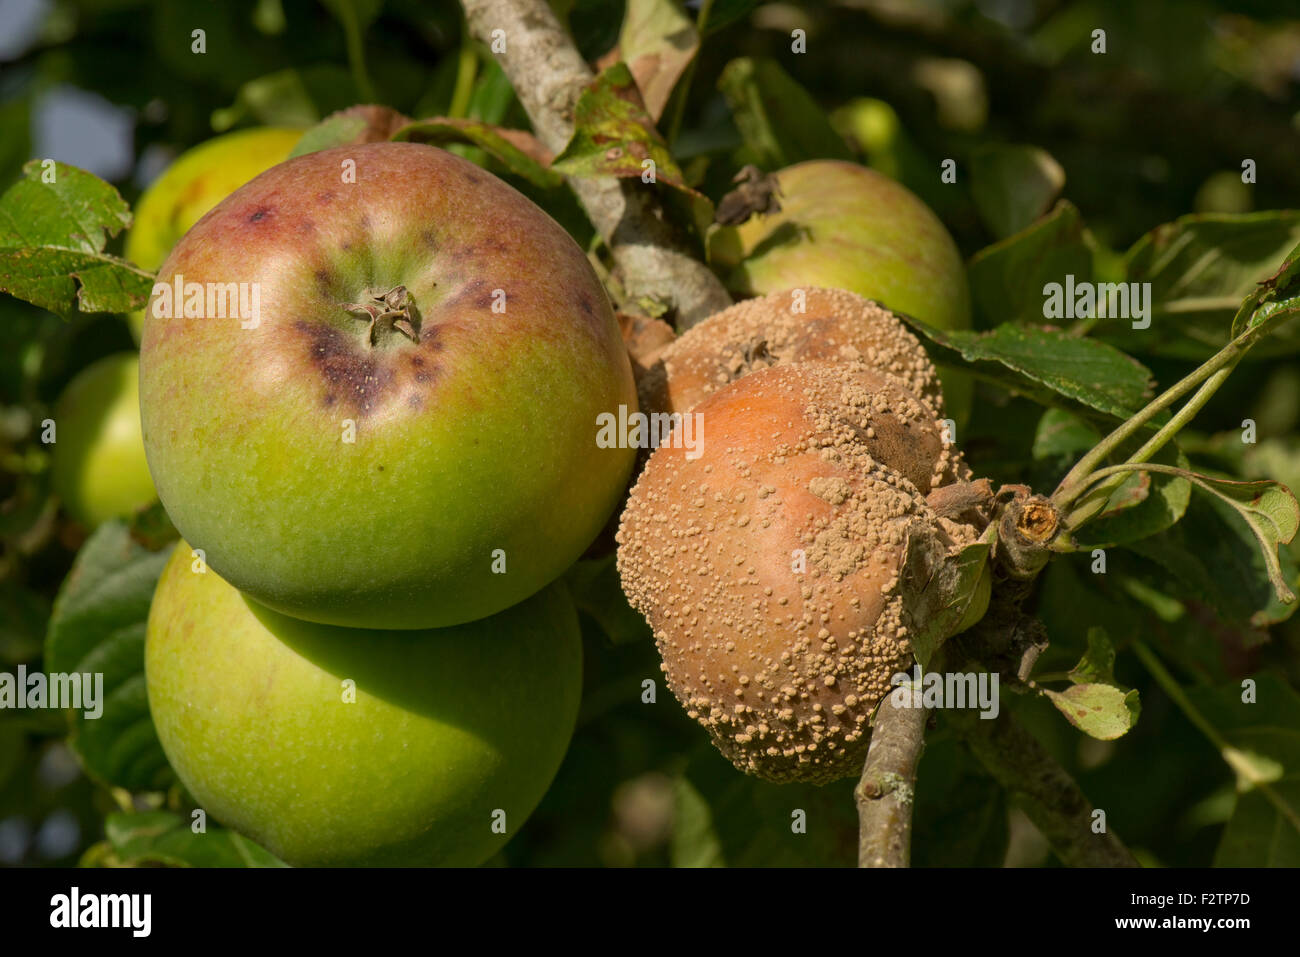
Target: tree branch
[1007,641]
[548,74]
[888,785]
[1042,788]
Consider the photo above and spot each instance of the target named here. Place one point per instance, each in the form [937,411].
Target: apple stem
[393,309]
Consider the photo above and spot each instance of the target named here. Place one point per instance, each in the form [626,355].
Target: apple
[332,746]
[405,435]
[787,565]
[844,226]
[98,463]
[198,180]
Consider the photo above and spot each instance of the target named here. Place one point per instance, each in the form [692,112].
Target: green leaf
[1259,834]
[493,96]
[694,841]
[1278,459]
[1263,737]
[1046,365]
[1278,314]
[503,145]
[1272,299]
[1268,508]
[1098,662]
[1013,185]
[336,130]
[657,42]
[940,602]
[1095,703]
[1201,267]
[277,99]
[1101,711]
[724,13]
[779,121]
[161,837]
[594,585]
[52,239]
[1213,558]
[734,820]
[1062,434]
[1007,278]
[613,135]
[1251,769]
[1272,513]
[1145,503]
[98,626]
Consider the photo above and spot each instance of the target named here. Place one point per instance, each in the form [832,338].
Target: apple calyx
[393,309]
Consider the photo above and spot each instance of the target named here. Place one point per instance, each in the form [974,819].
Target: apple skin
[447,727]
[479,437]
[98,465]
[844,226]
[199,179]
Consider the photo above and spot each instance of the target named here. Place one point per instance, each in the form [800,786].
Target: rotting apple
[786,570]
[199,179]
[844,226]
[405,436]
[794,325]
[98,465]
[330,746]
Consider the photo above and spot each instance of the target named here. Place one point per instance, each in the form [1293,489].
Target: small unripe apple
[845,226]
[199,179]
[331,746]
[97,462]
[406,434]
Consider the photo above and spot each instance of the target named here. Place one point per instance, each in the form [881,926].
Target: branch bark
[1042,788]
[887,789]
[548,75]
[1007,641]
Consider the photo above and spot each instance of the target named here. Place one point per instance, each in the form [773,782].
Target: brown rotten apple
[780,568]
[793,325]
[396,425]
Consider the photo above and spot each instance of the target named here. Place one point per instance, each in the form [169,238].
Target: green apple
[97,462]
[1224,192]
[845,226]
[332,746]
[401,424]
[198,180]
